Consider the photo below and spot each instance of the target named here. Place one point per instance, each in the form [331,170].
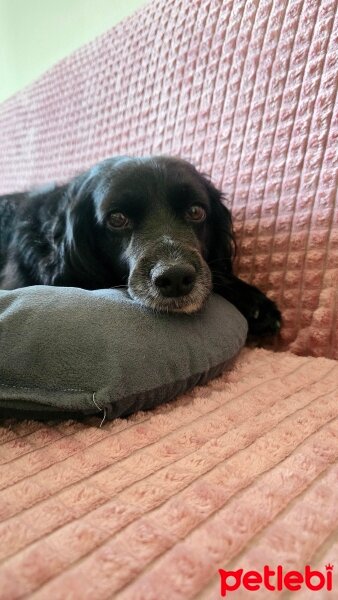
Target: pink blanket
[242,473]
[247,91]
[237,474]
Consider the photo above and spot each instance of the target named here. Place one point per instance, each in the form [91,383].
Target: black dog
[154,225]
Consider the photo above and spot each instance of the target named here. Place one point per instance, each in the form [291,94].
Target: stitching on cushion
[28,388]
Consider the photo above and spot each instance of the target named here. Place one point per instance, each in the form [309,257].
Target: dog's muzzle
[173,281]
[177,282]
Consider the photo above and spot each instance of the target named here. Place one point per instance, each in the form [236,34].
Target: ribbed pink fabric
[242,472]
[238,472]
[246,91]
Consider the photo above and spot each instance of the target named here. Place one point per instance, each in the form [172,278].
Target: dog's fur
[67,236]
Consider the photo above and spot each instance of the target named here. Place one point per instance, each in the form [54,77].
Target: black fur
[67,236]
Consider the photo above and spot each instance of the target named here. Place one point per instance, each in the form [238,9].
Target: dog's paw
[264,318]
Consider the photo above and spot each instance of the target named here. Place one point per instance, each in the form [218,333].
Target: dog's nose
[173,281]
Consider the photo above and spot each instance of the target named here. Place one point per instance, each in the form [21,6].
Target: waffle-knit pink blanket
[243,472]
[240,473]
[245,90]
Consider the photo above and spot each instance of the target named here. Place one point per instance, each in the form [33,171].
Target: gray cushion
[68,350]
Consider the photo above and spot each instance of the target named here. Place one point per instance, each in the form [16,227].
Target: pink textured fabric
[238,473]
[244,471]
[246,91]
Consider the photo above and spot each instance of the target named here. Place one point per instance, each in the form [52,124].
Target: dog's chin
[189,304]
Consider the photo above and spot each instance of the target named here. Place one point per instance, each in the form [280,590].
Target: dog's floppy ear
[82,252]
[221,243]
[84,227]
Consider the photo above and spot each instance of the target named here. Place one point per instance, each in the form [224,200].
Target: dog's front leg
[262,314]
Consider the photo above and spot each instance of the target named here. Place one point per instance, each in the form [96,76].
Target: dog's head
[154,224]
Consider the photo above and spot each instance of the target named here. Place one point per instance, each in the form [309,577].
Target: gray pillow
[70,351]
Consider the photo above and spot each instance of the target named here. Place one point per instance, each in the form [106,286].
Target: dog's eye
[118,220]
[196,213]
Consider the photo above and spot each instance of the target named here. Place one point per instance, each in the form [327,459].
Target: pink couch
[243,472]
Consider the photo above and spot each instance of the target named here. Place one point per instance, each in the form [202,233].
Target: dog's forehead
[146,174]
[146,184]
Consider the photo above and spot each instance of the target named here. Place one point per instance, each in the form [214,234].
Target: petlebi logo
[276,579]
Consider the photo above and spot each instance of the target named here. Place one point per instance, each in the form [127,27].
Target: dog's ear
[221,247]
[82,251]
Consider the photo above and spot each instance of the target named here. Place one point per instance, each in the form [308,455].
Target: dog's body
[154,225]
